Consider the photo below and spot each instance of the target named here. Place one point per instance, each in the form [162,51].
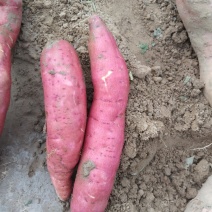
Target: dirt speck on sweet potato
[88,167]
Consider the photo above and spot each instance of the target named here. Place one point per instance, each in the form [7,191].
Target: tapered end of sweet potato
[51,43]
[62,186]
[10,21]
[94,21]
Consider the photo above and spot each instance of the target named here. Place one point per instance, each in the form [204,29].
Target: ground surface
[168,118]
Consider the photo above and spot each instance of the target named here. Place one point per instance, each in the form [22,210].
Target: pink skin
[10,23]
[105,129]
[65,106]
[197,19]
[10,3]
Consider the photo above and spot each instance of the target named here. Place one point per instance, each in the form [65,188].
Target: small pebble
[157,79]
[62,14]
[125,182]
[141,71]
[191,193]
[167,171]
[65,25]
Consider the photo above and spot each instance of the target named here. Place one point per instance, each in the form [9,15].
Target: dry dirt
[168,120]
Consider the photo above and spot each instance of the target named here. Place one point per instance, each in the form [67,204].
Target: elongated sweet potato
[106,122]
[10,22]
[65,106]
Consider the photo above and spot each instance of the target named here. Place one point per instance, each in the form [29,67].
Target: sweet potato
[10,22]
[65,107]
[106,122]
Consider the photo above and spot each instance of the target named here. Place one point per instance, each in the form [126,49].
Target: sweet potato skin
[65,107]
[10,23]
[106,122]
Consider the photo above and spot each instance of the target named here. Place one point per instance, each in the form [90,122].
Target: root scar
[91,196]
[106,76]
[74,98]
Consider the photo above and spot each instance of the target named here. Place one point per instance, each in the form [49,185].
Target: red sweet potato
[65,107]
[10,22]
[106,122]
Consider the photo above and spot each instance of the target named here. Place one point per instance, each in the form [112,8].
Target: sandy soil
[167,153]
